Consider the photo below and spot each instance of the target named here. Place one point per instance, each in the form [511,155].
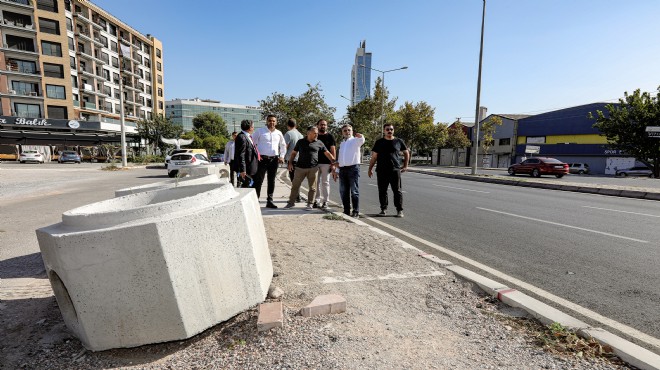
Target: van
[179,151]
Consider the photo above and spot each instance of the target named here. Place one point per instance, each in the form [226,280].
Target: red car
[538,166]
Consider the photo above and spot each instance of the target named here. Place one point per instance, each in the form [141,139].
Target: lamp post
[382,111]
[476,124]
[347,99]
[124,158]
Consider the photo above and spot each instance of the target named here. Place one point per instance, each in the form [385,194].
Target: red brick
[325,304]
[270,316]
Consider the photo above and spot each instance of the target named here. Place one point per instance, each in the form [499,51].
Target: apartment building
[182,112]
[67,65]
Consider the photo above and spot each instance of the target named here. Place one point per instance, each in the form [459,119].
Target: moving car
[538,166]
[579,168]
[185,159]
[69,156]
[217,157]
[31,156]
[635,171]
[168,158]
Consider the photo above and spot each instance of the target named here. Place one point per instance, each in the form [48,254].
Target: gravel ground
[404,312]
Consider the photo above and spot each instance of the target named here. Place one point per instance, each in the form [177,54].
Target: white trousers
[323,184]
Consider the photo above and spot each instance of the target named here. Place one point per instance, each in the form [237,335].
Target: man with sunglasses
[386,156]
[349,170]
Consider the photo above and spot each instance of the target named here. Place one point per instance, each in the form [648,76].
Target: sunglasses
[389,129]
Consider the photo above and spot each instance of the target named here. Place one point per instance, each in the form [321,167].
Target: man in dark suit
[246,157]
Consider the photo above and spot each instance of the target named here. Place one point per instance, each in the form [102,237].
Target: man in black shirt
[308,150]
[385,154]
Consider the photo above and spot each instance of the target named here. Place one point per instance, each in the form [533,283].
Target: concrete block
[173,183]
[541,311]
[270,316]
[325,304]
[489,286]
[159,265]
[203,170]
[633,193]
[627,351]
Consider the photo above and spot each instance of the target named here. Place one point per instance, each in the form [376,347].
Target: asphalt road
[599,252]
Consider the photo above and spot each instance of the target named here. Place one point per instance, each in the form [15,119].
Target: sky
[539,55]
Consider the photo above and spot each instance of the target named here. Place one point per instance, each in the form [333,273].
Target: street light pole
[476,124]
[347,99]
[124,160]
[382,110]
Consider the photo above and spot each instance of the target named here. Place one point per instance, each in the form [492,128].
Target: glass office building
[361,75]
[182,112]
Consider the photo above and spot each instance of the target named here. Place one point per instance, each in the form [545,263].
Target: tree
[366,116]
[488,129]
[412,120]
[625,127]
[151,131]
[209,124]
[430,136]
[306,109]
[456,139]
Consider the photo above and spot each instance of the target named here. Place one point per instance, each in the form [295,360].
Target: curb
[574,188]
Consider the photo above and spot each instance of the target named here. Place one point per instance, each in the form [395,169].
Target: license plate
[180,163]
[559,167]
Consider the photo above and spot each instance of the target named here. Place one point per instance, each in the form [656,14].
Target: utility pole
[477,116]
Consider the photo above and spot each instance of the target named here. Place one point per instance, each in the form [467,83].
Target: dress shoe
[270,205]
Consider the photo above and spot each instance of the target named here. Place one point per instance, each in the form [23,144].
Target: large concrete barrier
[173,183]
[159,265]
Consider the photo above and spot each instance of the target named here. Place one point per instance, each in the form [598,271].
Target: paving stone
[270,316]
[325,304]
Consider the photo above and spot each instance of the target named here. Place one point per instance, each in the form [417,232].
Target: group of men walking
[255,155]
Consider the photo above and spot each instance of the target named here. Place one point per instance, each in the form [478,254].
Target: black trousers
[389,178]
[267,166]
[232,174]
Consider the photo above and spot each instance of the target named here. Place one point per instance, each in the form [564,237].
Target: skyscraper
[361,74]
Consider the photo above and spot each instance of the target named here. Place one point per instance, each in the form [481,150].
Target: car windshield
[69,153]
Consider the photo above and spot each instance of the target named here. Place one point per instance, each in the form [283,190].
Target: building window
[149,103]
[49,5]
[72,62]
[159,66]
[106,75]
[53,70]
[160,79]
[71,44]
[115,77]
[158,52]
[113,46]
[49,26]
[115,62]
[147,63]
[506,141]
[51,48]
[74,81]
[160,105]
[22,66]
[112,29]
[55,92]
[56,112]
[20,43]
[147,75]
[160,92]
[27,110]
[25,88]
[107,90]
[69,24]
[67,5]
[149,89]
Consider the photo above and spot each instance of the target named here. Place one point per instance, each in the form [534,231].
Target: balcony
[14,69]
[23,4]
[23,94]
[82,17]
[18,50]
[96,23]
[76,103]
[88,73]
[88,105]
[18,25]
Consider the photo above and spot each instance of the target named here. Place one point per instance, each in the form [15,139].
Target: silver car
[31,156]
[185,159]
[635,171]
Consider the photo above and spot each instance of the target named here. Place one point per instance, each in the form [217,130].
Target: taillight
[37,155]
[192,160]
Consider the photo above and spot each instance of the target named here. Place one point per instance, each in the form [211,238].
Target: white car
[185,159]
[31,156]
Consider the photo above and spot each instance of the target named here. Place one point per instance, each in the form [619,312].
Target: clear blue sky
[539,55]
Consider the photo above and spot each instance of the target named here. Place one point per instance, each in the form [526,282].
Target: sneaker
[315,205]
[289,206]
[382,213]
[309,207]
[324,206]
[399,214]
[355,214]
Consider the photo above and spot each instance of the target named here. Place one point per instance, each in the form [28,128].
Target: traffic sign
[532,149]
[652,128]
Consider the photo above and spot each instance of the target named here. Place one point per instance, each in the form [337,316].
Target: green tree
[625,127]
[414,122]
[209,124]
[456,139]
[366,116]
[306,109]
[151,131]
[431,136]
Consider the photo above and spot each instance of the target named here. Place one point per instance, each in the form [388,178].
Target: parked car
[635,171]
[69,156]
[579,168]
[538,166]
[168,158]
[218,157]
[31,156]
[185,159]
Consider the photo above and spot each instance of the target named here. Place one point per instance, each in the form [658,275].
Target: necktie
[255,149]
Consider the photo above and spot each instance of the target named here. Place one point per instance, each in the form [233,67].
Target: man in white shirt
[272,148]
[229,155]
[349,159]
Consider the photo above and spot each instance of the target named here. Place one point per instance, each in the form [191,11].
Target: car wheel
[559,175]
[78,162]
[172,173]
[536,173]
[512,172]
[22,161]
[623,174]
[580,172]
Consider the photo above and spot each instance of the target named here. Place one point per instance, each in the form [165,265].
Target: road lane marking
[632,332]
[453,187]
[616,210]
[564,225]
[407,275]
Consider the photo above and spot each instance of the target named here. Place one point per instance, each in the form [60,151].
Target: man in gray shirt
[290,139]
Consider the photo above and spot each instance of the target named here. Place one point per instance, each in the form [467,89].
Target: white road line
[563,225]
[655,342]
[616,210]
[452,187]
[407,275]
